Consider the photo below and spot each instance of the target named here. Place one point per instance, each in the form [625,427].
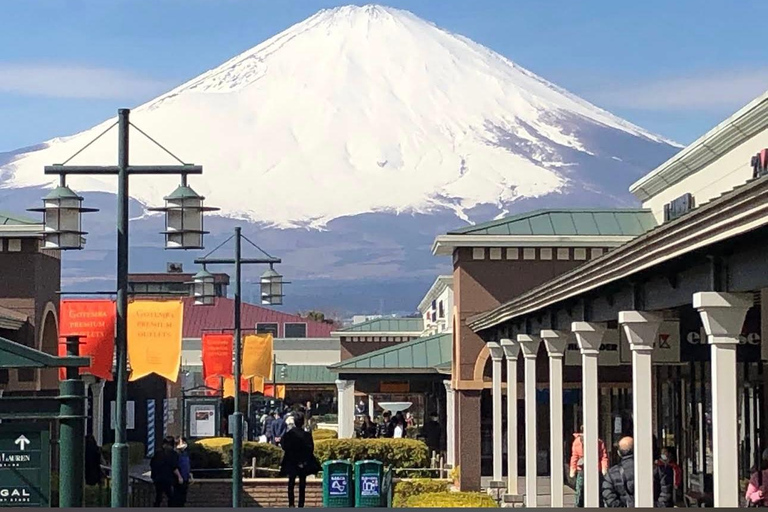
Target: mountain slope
[367,109]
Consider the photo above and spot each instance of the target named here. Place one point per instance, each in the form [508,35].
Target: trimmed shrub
[404,489]
[136,452]
[216,453]
[397,453]
[451,500]
[326,418]
[322,434]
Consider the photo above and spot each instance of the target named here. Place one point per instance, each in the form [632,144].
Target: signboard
[339,486]
[130,415]
[665,350]
[609,351]
[369,485]
[25,465]
[394,387]
[202,420]
[695,347]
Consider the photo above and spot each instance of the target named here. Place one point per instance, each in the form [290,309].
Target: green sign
[25,465]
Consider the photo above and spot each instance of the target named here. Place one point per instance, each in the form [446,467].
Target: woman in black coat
[299,458]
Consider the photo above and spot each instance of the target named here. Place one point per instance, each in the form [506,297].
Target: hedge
[397,453]
[136,452]
[451,500]
[216,453]
[322,434]
[404,489]
[93,495]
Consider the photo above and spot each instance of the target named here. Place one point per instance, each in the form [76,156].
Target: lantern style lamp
[271,287]
[203,288]
[63,210]
[184,218]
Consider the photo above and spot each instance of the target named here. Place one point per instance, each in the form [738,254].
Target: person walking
[618,489]
[367,429]
[93,461]
[298,459]
[181,488]
[577,463]
[757,488]
[383,430]
[279,428]
[266,427]
[432,433]
[668,460]
[399,431]
[164,467]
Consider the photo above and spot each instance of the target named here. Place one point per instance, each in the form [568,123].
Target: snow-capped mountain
[367,110]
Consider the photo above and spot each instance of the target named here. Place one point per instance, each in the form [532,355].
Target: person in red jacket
[577,463]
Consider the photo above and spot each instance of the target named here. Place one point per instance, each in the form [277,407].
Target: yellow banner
[154,338]
[257,356]
[257,384]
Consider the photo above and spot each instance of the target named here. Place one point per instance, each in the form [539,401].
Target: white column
[723,317]
[498,432]
[556,343]
[511,351]
[590,335]
[530,347]
[450,421]
[97,388]
[642,331]
[346,403]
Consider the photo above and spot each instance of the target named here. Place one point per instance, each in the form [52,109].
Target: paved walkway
[543,490]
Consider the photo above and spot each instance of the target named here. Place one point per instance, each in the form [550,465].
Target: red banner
[95,320]
[217,355]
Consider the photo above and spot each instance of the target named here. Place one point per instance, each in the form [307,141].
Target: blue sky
[675,68]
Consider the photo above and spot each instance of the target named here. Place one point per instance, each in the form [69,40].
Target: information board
[25,465]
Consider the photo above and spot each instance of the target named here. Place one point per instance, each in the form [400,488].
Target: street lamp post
[271,288]
[63,231]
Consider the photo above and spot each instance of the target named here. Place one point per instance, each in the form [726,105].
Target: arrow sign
[22,441]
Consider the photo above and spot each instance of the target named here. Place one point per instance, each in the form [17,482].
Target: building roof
[430,354]
[386,325]
[7,219]
[304,374]
[600,222]
[172,277]
[741,126]
[219,316]
[744,212]
[551,228]
[440,284]
[11,319]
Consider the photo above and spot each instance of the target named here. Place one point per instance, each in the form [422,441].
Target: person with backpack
[618,488]
[757,488]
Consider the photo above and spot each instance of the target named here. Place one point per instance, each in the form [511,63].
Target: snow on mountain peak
[355,110]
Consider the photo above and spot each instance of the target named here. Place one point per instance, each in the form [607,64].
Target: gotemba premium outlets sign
[25,465]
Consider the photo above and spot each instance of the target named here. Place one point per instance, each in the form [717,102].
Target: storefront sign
[25,466]
[95,321]
[154,338]
[665,350]
[609,351]
[394,387]
[695,347]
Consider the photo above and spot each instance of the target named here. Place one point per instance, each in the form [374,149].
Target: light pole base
[119,475]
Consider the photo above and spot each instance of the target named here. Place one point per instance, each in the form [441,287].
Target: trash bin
[369,484]
[338,484]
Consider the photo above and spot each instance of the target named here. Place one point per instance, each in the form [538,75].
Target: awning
[429,354]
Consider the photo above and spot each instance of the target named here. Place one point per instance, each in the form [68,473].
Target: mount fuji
[344,145]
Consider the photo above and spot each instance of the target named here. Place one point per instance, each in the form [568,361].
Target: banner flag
[214,382]
[217,355]
[154,338]
[269,390]
[257,355]
[257,384]
[95,320]
[229,386]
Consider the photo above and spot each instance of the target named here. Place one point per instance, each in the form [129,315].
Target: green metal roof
[430,353]
[7,219]
[388,325]
[304,374]
[567,223]
[15,355]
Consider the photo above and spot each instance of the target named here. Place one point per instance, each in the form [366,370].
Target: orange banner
[257,384]
[217,355]
[257,356]
[229,386]
[95,320]
[154,338]
[269,390]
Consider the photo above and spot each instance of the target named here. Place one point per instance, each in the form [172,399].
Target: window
[563,254]
[478,253]
[529,254]
[264,328]
[580,254]
[294,330]
[14,245]
[596,252]
[3,376]
[546,253]
[495,253]
[25,374]
[441,310]
[513,253]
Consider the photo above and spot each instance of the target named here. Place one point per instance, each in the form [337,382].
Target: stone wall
[257,492]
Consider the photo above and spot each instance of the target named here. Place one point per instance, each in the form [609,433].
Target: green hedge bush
[397,453]
[326,418]
[451,500]
[218,454]
[136,452]
[322,434]
[404,489]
